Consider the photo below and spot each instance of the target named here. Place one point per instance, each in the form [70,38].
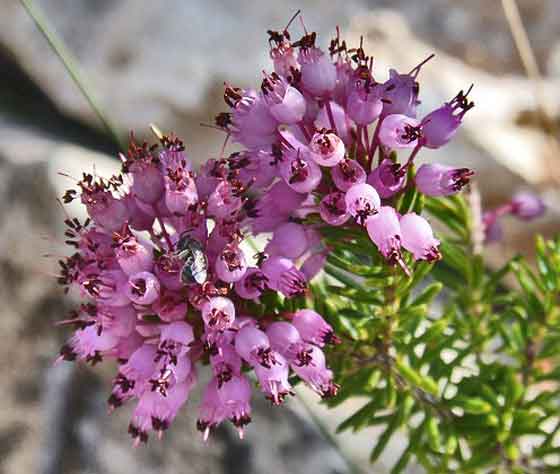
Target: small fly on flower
[195,268]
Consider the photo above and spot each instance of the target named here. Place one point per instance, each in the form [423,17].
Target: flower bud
[527,206]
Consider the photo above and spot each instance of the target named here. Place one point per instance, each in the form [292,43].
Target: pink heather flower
[133,257]
[385,232]
[132,379]
[170,307]
[223,202]
[341,121]
[313,328]
[364,104]
[109,287]
[226,364]
[285,339]
[89,343]
[284,59]
[313,265]
[400,131]
[147,184]
[348,173]
[316,374]
[137,218]
[253,345]
[327,149]
[235,397]
[388,178]
[527,206]
[218,313]
[273,380]
[119,320]
[289,240]
[300,172]
[275,207]
[253,124]
[168,268]
[362,201]
[333,210]
[180,190]
[253,283]
[418,238]
[285,103]
[283,276]
[318,73]
[105,210]
[400,94]
[177,332]
[143,288]
[231,265]
[441,180]
[439,126]
[155,411]
[211,411]
[256,168]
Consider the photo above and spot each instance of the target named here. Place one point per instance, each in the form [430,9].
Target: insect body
[195,268]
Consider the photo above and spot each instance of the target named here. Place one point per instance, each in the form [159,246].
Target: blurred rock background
[165,62]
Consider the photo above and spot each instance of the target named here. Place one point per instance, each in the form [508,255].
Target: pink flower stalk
[441,180]
[418,238]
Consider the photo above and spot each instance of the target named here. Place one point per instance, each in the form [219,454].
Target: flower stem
[69,63]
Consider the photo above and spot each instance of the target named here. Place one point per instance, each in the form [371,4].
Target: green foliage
[459,357]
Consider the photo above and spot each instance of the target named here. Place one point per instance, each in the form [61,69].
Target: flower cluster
[168,285]
[161,263]
[311,135]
